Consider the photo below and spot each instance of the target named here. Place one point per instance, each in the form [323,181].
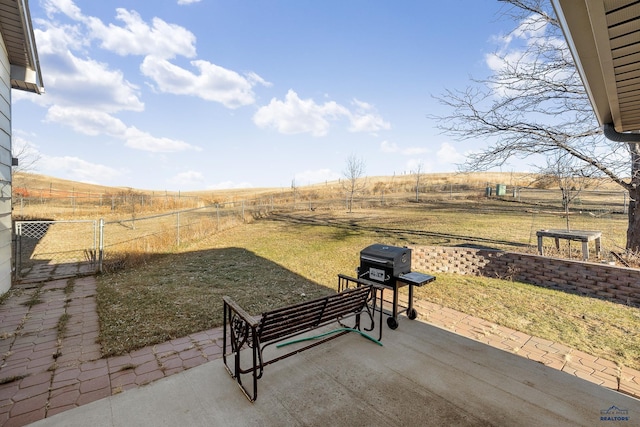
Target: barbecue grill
[390,266]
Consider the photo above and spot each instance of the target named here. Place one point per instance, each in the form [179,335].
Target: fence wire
[142,224]
[40,243]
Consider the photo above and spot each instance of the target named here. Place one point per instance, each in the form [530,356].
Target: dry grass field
[295,254]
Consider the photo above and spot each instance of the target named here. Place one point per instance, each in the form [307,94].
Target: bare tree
[418,170]
[567,174]
[27,157]
[353,173]
[535,104]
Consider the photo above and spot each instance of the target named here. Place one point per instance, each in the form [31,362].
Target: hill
[37,185]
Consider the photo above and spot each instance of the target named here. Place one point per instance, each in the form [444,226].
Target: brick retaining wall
[619,284]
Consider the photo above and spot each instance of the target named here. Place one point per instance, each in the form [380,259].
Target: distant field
[289,257]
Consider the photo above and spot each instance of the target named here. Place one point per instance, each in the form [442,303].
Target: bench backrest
[308,315]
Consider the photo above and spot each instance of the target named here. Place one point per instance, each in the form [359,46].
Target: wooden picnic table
[584,236]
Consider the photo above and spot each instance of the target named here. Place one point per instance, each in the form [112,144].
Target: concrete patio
[448,368]
[422,376]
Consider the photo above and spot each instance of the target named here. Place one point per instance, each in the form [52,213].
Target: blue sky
[208,94]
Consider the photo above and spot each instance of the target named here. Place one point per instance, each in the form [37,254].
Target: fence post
[178,228]
[101,245]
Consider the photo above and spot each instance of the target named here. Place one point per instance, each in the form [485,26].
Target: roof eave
[576,25]
[29,77]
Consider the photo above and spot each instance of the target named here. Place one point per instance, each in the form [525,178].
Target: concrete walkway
[50,362]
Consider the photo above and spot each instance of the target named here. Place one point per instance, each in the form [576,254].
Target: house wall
[619,284]
[5,170]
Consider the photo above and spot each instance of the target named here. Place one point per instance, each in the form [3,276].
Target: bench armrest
[251,321]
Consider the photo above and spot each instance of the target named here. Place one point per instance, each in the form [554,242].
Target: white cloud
[140,140]
[86,121]
[366,119]
[183,2]
[448,154]
[188,179]
[84,94]
[93,122]
[66,7]
[295,115]
[136,37]
[212,82]
[72,80]
[77,169]
[316,176]
[520,49]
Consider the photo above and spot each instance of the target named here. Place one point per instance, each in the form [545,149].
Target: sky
[187,95]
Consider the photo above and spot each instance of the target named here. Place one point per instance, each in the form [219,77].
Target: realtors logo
[614,414]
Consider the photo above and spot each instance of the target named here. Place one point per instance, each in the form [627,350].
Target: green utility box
[501,190]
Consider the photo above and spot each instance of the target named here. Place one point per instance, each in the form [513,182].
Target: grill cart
[390,266]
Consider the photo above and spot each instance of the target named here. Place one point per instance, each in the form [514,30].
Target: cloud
[188,179]
[183,2]
[77,169]
[84,94]
[448,154]
[366,119]
[294,115]
[72,80]
[140,140]
[66,7]
[521,48]
[136,37]
[93,123]
[211,82]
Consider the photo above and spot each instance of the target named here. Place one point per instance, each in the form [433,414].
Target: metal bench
[246,336]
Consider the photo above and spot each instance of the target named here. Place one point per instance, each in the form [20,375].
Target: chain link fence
[54,248]
[130,226]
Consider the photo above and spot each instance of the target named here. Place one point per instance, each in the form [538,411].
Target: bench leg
[238,335]
[540,248]
[371,311]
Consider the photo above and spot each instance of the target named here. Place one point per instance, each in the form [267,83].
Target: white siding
[5,170]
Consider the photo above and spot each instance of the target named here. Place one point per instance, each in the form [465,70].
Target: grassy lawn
[288,258]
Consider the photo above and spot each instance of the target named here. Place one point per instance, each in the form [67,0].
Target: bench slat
[291,320]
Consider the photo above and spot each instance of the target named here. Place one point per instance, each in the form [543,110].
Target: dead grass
[175,295]
[290,257]
[597,327]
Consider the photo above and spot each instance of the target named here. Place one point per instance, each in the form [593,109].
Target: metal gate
[45,250]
